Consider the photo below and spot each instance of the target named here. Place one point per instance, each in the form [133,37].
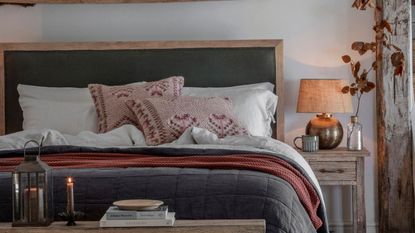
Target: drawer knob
[331,171]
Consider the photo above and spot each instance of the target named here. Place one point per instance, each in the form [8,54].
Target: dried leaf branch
[364,4]
[360,84]
[384,31]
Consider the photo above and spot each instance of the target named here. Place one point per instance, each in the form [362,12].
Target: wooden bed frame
[275,45]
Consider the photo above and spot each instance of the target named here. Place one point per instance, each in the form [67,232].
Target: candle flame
[70,180]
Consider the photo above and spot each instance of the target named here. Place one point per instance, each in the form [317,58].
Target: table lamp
[324,96]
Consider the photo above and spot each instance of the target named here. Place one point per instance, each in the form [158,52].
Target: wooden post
[395,179]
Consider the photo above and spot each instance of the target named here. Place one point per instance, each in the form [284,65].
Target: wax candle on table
[70,199]
[34,204]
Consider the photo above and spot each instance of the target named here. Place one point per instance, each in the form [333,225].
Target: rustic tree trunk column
[395,180]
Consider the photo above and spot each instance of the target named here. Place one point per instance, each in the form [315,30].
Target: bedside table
[343,167]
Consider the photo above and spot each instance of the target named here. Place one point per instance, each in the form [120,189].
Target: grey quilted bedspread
[191,193]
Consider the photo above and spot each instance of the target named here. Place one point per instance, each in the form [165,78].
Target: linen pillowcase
[215,90]
[65,109]
[110,104]
[254,105]
[163,120]
[69,110]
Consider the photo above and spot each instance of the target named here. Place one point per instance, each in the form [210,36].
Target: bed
[214,190]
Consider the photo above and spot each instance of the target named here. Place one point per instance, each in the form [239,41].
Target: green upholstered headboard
[202,63]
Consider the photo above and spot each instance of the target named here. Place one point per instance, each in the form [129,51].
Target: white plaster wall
[316,34]
[19,24]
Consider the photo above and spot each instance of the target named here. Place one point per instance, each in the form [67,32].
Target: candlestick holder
[71,217]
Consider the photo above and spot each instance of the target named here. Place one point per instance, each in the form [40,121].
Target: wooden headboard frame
[75,46]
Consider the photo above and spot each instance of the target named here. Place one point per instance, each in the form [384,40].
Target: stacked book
[115,217]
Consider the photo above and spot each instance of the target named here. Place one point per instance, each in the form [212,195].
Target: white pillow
[254,105]
[260,86]
[68,110]
[65,109]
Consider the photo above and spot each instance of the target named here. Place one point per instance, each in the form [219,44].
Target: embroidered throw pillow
[163,120]
[110,100]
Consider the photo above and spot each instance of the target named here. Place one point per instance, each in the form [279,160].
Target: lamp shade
[323,96]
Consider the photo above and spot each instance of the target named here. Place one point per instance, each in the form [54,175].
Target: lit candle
[33,208]
[69,193]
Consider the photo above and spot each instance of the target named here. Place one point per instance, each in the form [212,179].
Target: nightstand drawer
[334,171]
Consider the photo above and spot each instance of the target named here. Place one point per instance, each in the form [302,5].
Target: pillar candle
[33,206]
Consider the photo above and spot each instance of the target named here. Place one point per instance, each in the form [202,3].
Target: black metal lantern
[32,191]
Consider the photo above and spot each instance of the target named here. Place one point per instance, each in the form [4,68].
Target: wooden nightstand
[343,167]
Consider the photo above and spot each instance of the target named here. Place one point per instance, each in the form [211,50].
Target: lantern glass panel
[41,178]
[24,183]
[16,196]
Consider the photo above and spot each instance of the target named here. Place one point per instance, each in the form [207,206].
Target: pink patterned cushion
[110,100]
[163,120]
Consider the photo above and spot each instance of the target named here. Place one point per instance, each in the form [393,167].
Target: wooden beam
[19,4]
[395,179]
[31,2]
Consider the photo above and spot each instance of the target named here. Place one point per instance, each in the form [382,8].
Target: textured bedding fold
[292,200]
[262,163]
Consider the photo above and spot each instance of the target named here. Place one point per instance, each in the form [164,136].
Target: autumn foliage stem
[359,96]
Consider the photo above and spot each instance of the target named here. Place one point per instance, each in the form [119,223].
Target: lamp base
[327,128]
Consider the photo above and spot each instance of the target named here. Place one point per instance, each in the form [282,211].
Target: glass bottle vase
[354,134]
